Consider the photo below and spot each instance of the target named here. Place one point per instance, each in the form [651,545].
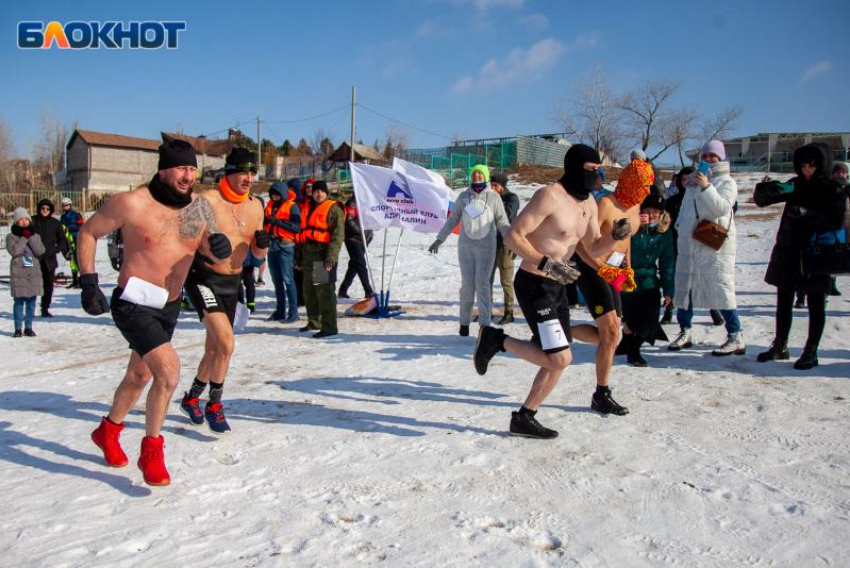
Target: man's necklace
[238,220]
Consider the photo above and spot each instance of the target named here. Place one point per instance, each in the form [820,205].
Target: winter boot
[682,341]
[716,317]
[491,340]
[464,331]
[106,437]
[603,402]
[45,313]
[18,333]
[634,357]
[734,345]
[809,358]
[778,351]
[525,425]
[507,318]
[29,332]
[626,344]
[668,315]
[152,461]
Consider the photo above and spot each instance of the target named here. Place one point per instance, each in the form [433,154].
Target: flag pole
[392,270]
[381,306]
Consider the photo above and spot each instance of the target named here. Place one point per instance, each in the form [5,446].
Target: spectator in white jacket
[481,213]
[705,278]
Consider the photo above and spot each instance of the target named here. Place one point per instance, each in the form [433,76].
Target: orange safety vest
[282,213]
[305,213]
[317,229]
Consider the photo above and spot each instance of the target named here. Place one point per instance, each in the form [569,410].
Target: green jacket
[329,253]
[653,260]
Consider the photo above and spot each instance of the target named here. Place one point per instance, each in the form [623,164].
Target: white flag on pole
[415,171]
[389,198]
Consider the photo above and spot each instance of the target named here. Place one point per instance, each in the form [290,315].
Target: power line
[308,118]
[364,107]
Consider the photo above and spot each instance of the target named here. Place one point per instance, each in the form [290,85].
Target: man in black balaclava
[545,236]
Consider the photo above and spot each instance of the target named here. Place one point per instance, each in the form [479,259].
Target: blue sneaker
[191,407]
[214,414]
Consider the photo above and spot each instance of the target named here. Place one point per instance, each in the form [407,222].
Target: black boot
[778,351]
[634,357]
[625,346]
[808,359]
[524,424]
[463,331]
[834,291]
[507,318]
[603,402]
[716,317]
[491,340]
[45,313]
[668,314]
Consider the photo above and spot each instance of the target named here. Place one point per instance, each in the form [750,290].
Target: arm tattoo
[197,216]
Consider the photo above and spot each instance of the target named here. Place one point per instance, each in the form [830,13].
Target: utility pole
[353,104]
[259,150]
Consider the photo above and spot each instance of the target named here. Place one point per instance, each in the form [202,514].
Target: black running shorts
[212,292]
[144,328]
[546,309]
[599,296]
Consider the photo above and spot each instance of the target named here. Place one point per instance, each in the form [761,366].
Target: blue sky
[467,68]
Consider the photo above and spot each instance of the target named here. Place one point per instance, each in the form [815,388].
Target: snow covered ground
[383,446]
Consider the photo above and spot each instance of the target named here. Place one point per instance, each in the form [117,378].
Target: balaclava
[578,181]
[634,182]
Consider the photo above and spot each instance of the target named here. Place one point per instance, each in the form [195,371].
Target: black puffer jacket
[814,206]
[52,236]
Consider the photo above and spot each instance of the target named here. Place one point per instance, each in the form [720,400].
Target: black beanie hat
[653,200]
[500,178]
[174,153]
[320,185]
[238,159]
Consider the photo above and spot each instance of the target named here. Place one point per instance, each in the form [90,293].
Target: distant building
[776,149]
[112,162]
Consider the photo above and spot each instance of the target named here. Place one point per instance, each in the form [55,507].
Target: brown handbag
[710,233]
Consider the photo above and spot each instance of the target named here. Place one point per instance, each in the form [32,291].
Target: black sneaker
[490,341]
[716,317]
[464,331]
[604,403]
[527,426]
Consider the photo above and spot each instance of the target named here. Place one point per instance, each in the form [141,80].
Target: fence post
[32,203]
[85,203]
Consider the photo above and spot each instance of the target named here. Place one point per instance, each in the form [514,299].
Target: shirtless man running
[604,275]
[545,236]
[214,287]
[162,225]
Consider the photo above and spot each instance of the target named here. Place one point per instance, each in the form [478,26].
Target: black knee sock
[197,388]
[215,392]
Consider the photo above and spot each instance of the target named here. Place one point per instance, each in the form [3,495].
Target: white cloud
[427,28]
[519,65]
[486,5]
[536,20]
[815,70]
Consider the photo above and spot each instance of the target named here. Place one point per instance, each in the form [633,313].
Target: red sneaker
[152,461]
[106,438]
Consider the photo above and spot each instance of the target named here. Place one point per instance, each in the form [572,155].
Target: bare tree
[399,137]
[319,136]
[720,125]
[49,151]
[6,151]
[647,111]
[594,117]
[678,129]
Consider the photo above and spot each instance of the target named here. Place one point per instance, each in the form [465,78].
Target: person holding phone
[705,278]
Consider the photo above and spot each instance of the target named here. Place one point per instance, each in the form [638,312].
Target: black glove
[262,238]
[622,229]
[435,247]
[564,272]
[269,220]
[220,246]
[797,212]
[93,300]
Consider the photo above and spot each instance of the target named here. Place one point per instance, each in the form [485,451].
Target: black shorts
[144,328]
[599,296]
[213,292]
[546,309]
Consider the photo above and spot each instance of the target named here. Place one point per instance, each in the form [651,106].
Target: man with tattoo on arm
[545,236]
[162,225]
[213,287]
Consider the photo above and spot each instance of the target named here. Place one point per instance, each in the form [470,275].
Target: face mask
[479,187]
[842,181]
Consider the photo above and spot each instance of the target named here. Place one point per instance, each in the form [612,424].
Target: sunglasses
[246,168]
